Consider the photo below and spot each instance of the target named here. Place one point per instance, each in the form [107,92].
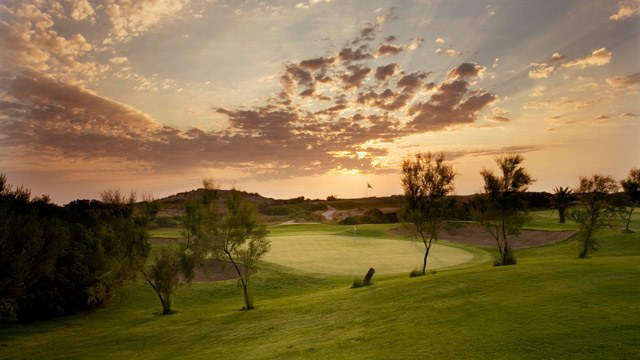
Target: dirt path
[475,235]
[329,213]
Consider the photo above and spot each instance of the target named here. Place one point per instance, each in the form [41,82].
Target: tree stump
[367,278]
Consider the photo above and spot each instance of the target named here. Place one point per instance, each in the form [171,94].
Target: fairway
[354,255]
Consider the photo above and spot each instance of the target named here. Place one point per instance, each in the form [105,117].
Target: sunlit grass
[549,305]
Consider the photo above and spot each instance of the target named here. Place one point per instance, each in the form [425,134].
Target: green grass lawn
[549,305]
[354,255]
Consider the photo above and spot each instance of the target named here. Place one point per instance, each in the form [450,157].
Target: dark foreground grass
[549,305]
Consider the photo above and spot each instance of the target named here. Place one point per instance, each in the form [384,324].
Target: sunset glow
[312,98]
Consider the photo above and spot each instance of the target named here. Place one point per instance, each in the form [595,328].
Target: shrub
[415,273]
[390,218]
[375,212]
[280,210]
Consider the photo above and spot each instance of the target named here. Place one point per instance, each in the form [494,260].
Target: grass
[169,233]
[354,255]
[549,305]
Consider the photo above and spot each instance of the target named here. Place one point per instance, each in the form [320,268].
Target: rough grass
[549,305]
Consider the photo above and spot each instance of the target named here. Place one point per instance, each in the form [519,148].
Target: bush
[375,212]
[280,210]
[390,218]
[416,273]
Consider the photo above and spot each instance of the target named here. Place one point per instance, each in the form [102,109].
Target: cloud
[624,81]
[355,76]
[388,49]
[412,82]
[539,91]
[597,58]
[308,126]
[495,63]
[82,10]
[540,71]
[119,60]
[449,52]
[386,71]
[449,106]
[348,55]
[466,70]
[29,42]
[557,57]
[626,9]
[559,104]
[440,40]
[630,114]
[130,19]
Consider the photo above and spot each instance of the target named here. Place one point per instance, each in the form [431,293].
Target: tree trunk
[247,301]
[629,218]
[426,254]
[561,213]
[166,306]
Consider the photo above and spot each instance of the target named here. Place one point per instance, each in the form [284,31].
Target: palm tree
[561,199]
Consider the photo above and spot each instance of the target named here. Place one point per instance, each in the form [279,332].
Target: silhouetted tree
[596,211]
[426,179]
[561,199]
[631,187]
[501,209]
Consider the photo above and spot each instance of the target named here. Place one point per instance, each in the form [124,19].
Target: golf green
[354,255]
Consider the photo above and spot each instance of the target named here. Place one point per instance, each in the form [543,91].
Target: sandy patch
[476,235]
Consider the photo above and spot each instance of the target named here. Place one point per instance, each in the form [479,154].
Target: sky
[312,98]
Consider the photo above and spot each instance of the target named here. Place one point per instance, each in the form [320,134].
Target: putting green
[345,255]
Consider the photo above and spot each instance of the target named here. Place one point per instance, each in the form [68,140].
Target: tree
[631,187]
[237,236]
[596,211]
[500,209]
[242,238]
[163,273]
[60,260]
[561,199]
[426,179]
[191,221]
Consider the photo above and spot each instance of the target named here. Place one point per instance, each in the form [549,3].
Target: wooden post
[367,278]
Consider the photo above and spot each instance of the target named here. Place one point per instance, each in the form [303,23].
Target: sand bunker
[476,235]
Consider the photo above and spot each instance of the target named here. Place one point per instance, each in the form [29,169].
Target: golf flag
[369,186]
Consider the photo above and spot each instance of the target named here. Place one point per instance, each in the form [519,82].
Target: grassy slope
[550,305]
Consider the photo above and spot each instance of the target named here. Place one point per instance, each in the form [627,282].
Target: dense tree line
[60,260]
